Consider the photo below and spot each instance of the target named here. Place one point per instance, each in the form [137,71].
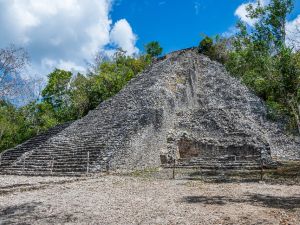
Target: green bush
[153,49]
[259,56]
[215,48]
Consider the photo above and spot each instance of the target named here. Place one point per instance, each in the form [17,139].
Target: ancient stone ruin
[184,107]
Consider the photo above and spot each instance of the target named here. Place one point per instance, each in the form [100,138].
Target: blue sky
[177,24]
[67,33]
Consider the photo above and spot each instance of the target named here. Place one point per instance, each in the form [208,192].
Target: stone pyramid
[184,106]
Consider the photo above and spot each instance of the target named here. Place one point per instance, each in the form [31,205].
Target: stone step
[49,168]
[74,154]
[38,173]
[58,155]
[216,164]
[67,170]
[222,165]
[7,161]
[62,158]
[214,161]
[219,163]
[41,169]
[216,167]
[49,164]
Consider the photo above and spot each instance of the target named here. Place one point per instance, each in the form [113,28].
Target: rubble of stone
[183,106]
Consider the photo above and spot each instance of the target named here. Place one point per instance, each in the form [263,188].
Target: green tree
[289,84]
[12,126]
[57,88]
[153,49]
[260,57]
[113,75]
[56,93]
[206,45]
[215,48]
[270,28]
[80,96]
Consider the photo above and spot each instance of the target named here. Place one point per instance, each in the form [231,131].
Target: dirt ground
[139,200]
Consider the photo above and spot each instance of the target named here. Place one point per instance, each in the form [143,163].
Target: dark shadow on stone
[252,199]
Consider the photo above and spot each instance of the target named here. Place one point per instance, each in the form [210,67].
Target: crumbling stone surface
[184,105]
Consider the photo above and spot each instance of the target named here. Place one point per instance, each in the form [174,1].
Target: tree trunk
[296,112]
[298,120]
[1,133]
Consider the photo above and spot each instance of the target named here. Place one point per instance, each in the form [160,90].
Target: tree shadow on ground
[276,201]
[26,213]
[252,199]
[10,214]
[221,176]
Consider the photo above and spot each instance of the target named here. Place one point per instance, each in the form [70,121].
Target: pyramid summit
[183,107]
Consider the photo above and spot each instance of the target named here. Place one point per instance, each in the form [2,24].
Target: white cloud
[230,32]
[242,13]
[293,33]
[122,36]
[292,27]
[62,33]
[61,64]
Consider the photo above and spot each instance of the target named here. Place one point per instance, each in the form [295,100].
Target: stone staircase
[29,159]
[225,163]
[215,164]
[11,156]
[68,153]
[64,160]
[223,168]
[58,162]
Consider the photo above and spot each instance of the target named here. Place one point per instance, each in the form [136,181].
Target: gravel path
[134,200]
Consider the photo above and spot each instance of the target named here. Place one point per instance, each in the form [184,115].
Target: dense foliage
[215,48]
[260,57]
[67,97]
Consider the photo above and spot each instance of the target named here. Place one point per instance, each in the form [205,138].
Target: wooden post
[52,164]
[174,164]
[200,172]
[88,162]
[261,170]
[107,167]
[23,165]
